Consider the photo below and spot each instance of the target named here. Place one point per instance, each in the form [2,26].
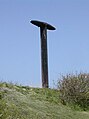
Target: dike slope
[23,102]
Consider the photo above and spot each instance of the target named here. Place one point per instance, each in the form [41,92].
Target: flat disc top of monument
[42,24]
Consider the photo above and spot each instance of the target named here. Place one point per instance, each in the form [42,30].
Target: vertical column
[44,57]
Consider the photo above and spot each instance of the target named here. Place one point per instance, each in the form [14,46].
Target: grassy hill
[20,102]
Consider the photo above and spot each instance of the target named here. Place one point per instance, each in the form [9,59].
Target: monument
[44,56]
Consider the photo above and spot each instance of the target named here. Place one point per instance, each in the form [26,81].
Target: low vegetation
[74,90]
[23,102]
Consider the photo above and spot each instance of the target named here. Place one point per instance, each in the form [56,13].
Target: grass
[23,102]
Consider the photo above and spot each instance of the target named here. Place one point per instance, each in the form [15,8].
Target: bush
[74,89]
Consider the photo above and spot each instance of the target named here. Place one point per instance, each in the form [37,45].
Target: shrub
[74,89]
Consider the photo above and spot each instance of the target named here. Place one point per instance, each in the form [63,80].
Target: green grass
[20,102]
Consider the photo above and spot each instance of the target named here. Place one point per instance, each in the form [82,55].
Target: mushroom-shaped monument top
[42,24]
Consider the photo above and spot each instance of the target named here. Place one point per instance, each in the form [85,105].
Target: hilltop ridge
[23,102]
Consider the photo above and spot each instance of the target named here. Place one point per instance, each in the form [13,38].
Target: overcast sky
[68,45]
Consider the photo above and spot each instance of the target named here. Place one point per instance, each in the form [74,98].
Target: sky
[20,51]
